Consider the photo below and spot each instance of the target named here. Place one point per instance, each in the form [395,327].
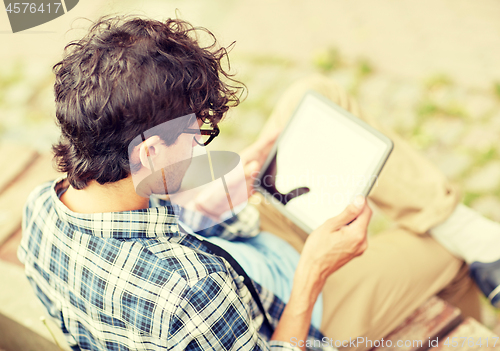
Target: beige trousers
[403,266]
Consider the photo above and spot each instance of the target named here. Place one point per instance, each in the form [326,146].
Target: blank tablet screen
[323,159]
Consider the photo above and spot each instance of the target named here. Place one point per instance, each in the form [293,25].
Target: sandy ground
[406,38]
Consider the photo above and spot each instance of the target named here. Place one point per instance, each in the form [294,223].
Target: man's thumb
[252,168]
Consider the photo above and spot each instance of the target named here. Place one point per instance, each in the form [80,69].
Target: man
[119,270]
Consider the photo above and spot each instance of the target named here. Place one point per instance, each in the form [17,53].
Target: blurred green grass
[443,120]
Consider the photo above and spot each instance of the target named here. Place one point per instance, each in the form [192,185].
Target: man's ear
[148,152]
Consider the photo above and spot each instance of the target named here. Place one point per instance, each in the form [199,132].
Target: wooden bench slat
[8,250]
[14,197]
[432,320]
[13,161]
[470,328]
[20,308]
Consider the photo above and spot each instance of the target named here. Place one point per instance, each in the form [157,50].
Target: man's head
[126,76]
[157,167]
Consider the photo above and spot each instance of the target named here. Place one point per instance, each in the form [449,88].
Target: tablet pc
[324,157]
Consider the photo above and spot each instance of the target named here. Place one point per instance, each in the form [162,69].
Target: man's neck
[96,198]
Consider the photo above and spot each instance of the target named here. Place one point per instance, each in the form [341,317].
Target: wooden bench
[22,169]
[436,325]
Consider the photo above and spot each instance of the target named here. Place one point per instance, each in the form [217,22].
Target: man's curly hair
[125,76]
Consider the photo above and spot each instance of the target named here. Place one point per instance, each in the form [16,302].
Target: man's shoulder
[184,258]
[171,279]
[38,203]
[42,191]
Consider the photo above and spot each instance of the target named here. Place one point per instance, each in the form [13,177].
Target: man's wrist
[307,284]
[296,318]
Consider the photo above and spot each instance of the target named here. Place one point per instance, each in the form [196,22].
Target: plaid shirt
[131,281]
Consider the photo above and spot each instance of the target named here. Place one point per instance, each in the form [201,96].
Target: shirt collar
[145,223]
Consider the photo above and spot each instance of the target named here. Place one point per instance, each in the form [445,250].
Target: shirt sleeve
[244,224]
[213,316]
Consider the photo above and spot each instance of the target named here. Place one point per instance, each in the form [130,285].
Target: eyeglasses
[203,137]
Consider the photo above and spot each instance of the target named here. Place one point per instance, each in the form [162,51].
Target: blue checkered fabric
[131,281]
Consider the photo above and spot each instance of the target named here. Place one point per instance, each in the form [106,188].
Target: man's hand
[259,150]
[337,241]
[213,203]
[328,248]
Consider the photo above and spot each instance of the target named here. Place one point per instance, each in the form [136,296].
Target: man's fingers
[270,137]
[260,149]
[350,213]
[362,221]
[251,168]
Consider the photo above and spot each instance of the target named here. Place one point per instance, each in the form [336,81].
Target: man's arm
[244,224]
[207,208]
[213,203]
[327,249]
[213,315]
